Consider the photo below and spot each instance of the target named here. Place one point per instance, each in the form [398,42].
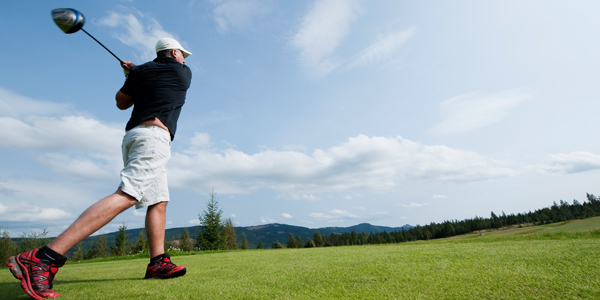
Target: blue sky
[310,113]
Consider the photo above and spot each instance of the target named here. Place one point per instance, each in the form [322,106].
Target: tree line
[214,233]
[558,212]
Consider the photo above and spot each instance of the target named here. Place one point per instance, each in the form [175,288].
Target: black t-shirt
[158,89]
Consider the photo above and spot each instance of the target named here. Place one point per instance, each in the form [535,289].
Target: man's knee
[127,198]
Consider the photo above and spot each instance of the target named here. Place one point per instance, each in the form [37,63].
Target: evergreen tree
[120,247]
[277,245]
[230,236]
[141,244]
[291,241]
[260,245]
[185,243]
[78,255]
[99,248]
[309,243]
[318,239]
[244,245]
[299,241]
[210,235]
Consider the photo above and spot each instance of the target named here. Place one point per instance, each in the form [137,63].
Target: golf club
[70,21]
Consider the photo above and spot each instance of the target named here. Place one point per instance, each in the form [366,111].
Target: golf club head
[67,19]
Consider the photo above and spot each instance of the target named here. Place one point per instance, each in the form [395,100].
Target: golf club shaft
[101,45]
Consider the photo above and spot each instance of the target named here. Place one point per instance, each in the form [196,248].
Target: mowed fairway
[559,261]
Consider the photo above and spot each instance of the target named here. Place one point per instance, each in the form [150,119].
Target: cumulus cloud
[336,215]
[373,163]
[13,105]
[287,216]
[322,31]
[141,32]
[475,110]
[239,15]
[50,133]
[81,167]
[574,162]
[27,213]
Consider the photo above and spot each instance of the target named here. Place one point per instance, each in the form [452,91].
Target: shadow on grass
[59,281]
[13,290]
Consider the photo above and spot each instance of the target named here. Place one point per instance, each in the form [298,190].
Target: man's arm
[124,101]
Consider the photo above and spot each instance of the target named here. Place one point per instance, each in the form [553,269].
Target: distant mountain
[268,233]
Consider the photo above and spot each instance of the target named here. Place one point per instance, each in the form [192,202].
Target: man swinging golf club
[157,91]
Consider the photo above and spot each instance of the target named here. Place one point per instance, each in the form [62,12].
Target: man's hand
[127,65]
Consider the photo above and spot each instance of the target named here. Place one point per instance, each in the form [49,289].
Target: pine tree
[78,255]
[277,245]
[318,239]
[309,243]
[120,247]
[184,241]
[98,249]
[210,235]
[141,244]
[230,236]
[244,245]
[291,241]
[260,245]
[299,241]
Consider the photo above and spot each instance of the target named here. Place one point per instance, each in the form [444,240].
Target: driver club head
[67,19]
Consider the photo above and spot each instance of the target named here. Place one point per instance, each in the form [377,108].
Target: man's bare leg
[91,220]
[160,265]
[155,228]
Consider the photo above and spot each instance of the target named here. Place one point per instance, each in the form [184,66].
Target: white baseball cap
[169,43]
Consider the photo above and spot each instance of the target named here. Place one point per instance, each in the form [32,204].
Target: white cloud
[287,216]
[267,220]
[336,215]
[138,212]
[298,196]
[475,110]
[373,163]
[240,15]
[343,213]
[440,197]
[200,140]
[322,31]
[27,213]
[141,32]
[15,106]
[64,133]
[80,167]
[382,50]
[574,162]
[413,205]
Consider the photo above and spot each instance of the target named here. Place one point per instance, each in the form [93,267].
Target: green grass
[557,261]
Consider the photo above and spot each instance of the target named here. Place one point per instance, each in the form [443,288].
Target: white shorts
[146,150]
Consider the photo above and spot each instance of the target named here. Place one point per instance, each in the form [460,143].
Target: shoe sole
[173,275]
[17,269]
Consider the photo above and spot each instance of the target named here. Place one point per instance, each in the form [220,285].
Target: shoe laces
[42,275]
